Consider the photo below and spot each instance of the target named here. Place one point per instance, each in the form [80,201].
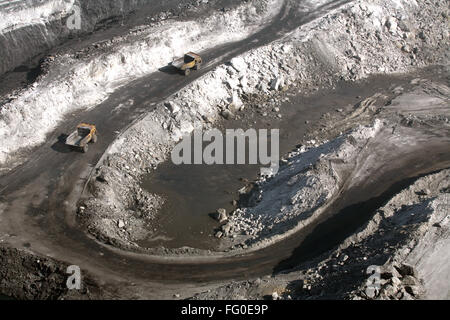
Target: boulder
[233,83]
[276,84]
[220,215]
[388,272]
[173,107]
[396,282]
[239,64]
[413,290]
[391,24]
[236,102]
[226,228]
[406,296]
[243,81]
[227,114]
[390,291]
[410,281]
[406,270]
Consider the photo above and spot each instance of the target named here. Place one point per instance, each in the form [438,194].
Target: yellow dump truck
[81,137]
[189,61]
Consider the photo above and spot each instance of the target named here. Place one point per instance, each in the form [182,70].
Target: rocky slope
[349,43]
[30,28]
[405,243]
[84,79]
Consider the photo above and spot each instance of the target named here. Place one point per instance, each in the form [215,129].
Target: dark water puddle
[195,191]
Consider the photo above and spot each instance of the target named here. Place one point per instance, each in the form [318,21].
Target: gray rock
[422,35]
[407,270]
[396,282]
[276,84]
[403,26]
[406,48]
[390,291]
[391,24]
[410,281]
[221,215]
[174,108]
[413,290]
[388,272]
[238,64]
[226,229]
[227,114]
[407,296]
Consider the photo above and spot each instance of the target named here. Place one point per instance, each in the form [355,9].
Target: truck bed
[178,63]
[188,58]
[75,139]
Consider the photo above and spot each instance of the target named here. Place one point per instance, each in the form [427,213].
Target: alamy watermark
[373,283]
[74,280]
[74,20]
[211,147]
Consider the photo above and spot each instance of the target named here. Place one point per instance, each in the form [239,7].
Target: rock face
[30,28]
[39,26]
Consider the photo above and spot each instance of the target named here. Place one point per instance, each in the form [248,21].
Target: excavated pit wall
[30,28]
[80,80]
[347,44]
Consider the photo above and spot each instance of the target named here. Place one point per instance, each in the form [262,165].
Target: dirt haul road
[38,199]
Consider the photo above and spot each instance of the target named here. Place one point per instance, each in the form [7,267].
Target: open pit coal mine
[224,150]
